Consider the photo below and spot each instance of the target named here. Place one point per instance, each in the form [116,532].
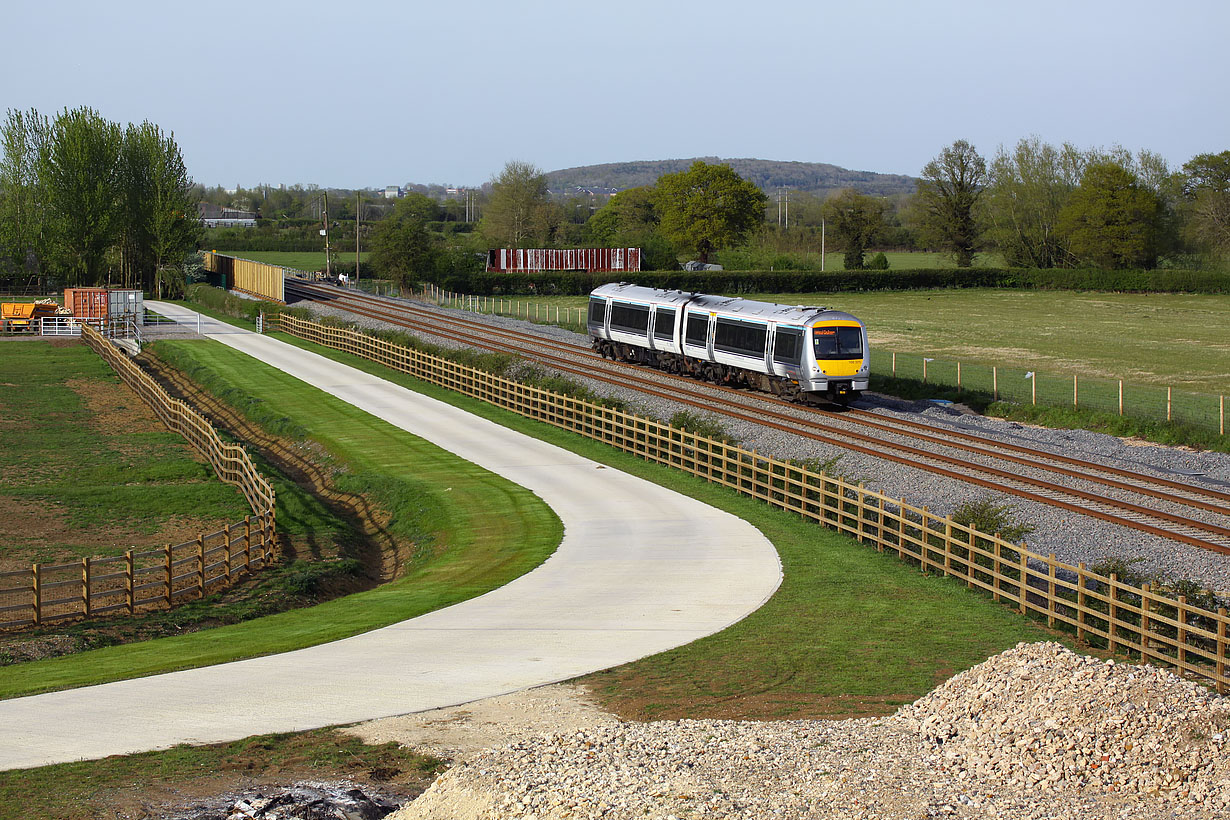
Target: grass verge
[849,632]
[474,537]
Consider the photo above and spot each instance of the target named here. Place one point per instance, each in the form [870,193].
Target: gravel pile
[1141,743]
[1071,537]
[1042,716]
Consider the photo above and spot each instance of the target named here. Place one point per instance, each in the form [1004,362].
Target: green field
[1163,339]
[299,260]
[87,469]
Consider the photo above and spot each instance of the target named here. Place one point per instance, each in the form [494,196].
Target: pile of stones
[1035,732]
[1041,716]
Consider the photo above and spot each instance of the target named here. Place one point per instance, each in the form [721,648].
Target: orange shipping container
[87,303]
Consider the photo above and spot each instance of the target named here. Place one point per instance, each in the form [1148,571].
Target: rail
[162,577]
[1002,382]
[1101,611]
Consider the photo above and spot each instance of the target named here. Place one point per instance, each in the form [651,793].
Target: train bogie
[791,351]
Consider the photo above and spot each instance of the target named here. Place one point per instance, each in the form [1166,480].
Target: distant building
[220,216]
[392,192]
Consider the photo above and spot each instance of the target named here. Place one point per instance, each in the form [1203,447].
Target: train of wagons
[796,352]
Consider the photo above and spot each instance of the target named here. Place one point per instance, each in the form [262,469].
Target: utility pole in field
[325,233]
[358,219]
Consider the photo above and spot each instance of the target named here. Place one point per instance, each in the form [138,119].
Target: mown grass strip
[847,621]
[478,531]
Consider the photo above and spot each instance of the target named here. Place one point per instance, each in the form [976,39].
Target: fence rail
[1203,410]
[148,579]
[1101,610]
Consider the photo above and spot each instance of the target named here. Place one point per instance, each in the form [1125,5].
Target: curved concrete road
[641,569]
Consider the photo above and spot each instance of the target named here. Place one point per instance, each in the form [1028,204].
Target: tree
[854,220]
[947,194]
[1206,194]
[174,230]
[517,197]
[79,168]
[401,246]
[707,207]
[1111,220]
[1025,192]
[22,220]
[626,219]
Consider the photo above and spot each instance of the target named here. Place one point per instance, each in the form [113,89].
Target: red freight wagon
[541,259]
[87,303]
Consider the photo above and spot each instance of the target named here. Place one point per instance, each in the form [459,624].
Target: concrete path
[641,569]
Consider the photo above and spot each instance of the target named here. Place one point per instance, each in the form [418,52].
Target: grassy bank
[474,537]
[87,469]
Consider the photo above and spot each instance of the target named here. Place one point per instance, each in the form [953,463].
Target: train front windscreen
[837,342]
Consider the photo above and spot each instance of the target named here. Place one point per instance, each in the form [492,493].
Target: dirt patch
[458,732]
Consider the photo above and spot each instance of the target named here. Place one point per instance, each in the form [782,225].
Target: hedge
[575,283]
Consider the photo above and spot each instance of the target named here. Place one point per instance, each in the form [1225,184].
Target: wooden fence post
[1113,613]
[1080,604]
[36,593]
[1050,590]
[1023,584]
[247,543]
[226,534]
[170,576]
[1222,639]
[1144,622]
[1182,619]
[200,565]
[85,586]
[998,568]
[130,600]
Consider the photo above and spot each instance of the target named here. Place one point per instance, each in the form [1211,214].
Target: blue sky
[376,93]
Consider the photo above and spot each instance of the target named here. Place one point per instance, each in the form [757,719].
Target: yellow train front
[796,352]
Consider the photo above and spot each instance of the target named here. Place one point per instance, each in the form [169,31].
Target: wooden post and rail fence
[161,577]
[1100,610]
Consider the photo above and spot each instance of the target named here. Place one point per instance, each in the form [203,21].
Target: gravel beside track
[1072,537]
[1035,732]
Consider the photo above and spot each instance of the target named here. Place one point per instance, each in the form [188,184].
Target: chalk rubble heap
[1036,732]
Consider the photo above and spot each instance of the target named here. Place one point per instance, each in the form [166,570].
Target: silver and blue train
[796,352]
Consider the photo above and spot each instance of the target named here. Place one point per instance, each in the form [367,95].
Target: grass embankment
[87,469]
[850,631]
[475,537]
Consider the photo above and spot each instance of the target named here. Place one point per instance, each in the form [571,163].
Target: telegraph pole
[325,232]
[358,219]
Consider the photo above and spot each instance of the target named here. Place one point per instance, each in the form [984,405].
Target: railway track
[1154,504]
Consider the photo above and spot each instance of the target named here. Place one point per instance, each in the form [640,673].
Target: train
[796,352]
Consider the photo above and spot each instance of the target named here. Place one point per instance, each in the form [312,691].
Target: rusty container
[87,303]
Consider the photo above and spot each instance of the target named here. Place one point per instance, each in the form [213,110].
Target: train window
[698,328]
[743,338]
[787,345]
[664,324]
[630,318]
[597,311]
[838,342]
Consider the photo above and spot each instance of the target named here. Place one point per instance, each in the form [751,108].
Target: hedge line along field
[1171,339]
[87,469]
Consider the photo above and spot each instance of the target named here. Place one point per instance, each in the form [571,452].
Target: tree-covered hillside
[768,175]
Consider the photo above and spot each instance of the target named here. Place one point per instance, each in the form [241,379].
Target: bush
[990,518]
[877,262]
[701,425]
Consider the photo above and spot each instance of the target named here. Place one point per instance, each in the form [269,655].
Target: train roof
[769,311]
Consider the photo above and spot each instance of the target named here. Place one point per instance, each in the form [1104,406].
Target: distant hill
[814,177]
